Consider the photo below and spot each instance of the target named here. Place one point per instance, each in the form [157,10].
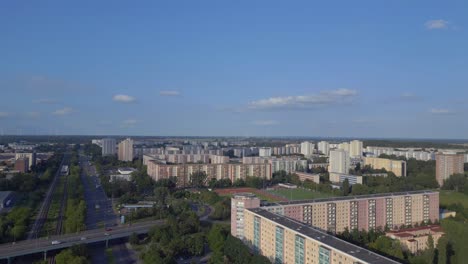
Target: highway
[27,247]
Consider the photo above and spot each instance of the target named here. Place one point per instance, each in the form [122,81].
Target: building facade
[126,150]
[31,156]
[307,148]
[447,165]
[323,147]
[363,212]
[283,240]
[240,202]
[339,161]
[108,146]
[355,149]
[22,165]
[398,167]
[183,172]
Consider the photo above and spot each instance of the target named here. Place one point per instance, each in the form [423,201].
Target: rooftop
[324,238]
[356,197]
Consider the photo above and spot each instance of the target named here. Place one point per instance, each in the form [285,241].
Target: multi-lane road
[27,247]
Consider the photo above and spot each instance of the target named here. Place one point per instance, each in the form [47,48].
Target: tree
[345,187]
[133,239]
[198,179]
[67,257]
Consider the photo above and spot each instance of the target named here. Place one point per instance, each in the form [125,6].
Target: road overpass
[8,251]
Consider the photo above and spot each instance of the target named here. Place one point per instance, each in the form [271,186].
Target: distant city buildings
[264,152]
[183,172]
[108,146]
[398,167]
[339,161]
[126,150]
[186,158]
[287,164]
[407,153]
[307,148]
[355,149]
[448,164]
[323,148]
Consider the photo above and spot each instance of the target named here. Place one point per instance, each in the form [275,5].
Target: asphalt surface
[99,206]
[100,213]
[32,246]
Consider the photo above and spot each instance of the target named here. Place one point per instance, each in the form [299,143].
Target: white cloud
[305,101]
[441,111]
[169,93]
[437,24]
[4,114]
[265,122]
[129,122]
[123,98]
[63,111]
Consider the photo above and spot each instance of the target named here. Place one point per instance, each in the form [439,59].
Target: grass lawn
[299,194]
[451,197]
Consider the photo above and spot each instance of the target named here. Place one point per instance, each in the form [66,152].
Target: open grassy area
[451,197]
[299,194]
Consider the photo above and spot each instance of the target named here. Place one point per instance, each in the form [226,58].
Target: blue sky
[243,68]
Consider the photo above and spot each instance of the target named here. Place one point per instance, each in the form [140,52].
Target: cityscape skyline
[141,70]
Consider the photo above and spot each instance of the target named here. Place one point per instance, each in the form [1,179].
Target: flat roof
[328,240]
[356,197]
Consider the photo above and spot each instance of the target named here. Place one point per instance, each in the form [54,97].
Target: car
[83,238]
[106,234]
[56,242]
[108,229]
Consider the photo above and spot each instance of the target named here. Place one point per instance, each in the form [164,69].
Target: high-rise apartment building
[324,147]
[22,164]
[362,212]
[183,172]
[108,146]
[264,152]
[126,150]
[398,167]
[307,148]
[339,161]
[240,202]
[355,149]
[284,240]
[448,164]
[344,146]
[31,156]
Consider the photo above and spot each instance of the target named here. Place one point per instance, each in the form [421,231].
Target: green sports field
[299,194]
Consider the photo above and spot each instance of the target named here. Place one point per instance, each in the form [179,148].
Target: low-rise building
[415,239]
[308,176]
[340,178]
[398,167]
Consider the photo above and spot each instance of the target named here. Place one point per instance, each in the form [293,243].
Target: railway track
[44,210]
[63,206]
